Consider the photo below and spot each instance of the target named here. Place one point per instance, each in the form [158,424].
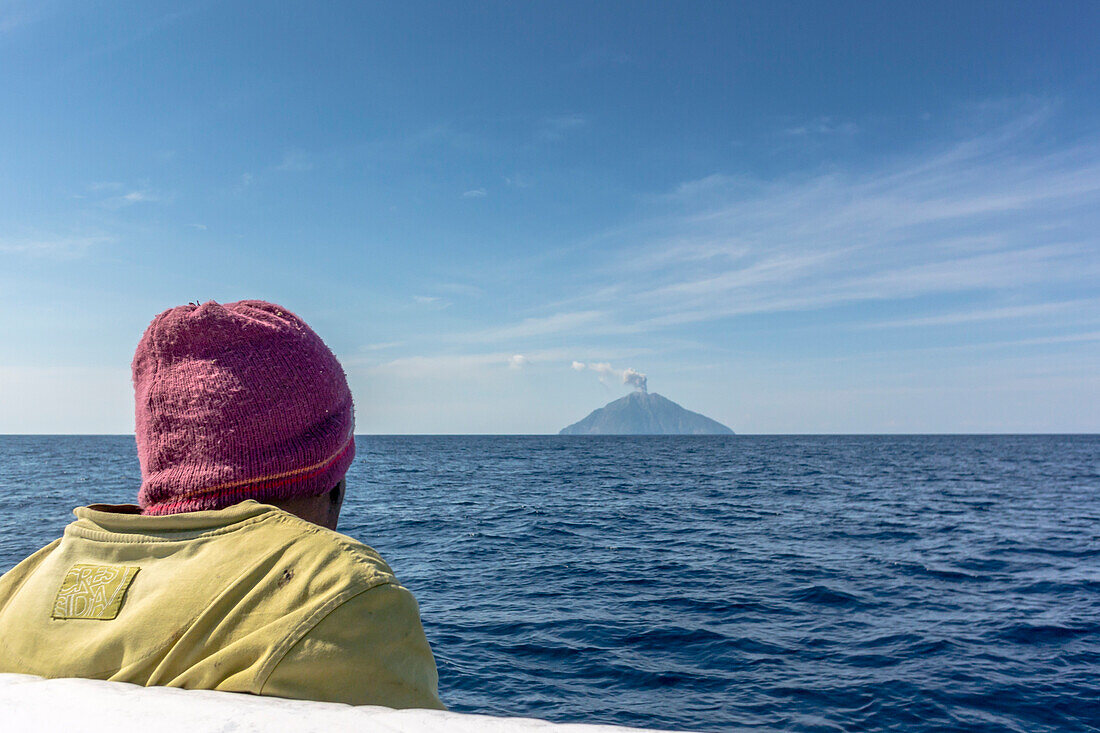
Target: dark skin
[323,510]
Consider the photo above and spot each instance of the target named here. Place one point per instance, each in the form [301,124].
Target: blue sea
[799,583]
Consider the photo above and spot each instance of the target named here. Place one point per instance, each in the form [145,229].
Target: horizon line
[615,435]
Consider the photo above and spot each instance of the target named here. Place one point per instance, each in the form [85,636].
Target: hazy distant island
[641,413]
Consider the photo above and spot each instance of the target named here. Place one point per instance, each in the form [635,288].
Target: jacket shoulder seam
[362,555]
[307,625]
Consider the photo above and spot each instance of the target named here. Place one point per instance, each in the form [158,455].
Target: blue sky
[793,217]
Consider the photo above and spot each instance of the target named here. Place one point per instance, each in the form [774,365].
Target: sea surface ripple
[786,583]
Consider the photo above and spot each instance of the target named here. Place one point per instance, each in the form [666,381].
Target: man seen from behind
[228,574]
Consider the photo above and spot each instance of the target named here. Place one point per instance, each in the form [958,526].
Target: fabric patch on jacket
[93,591]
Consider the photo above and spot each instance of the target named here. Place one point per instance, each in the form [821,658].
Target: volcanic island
[642,413]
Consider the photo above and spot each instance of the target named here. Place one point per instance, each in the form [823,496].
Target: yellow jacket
[245,599]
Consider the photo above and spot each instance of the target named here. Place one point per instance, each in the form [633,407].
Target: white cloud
[578,366]
[952,233]
[295,161]
[464,289]
[993,215]
[1066,338]
[517,180]
[1089,308]
[52,246]
[529,327]
[432,301]
[599,58]
[1084,306]
[439,365]
[518,361]
[556,127]
[122,200]
[475,193]
[823,126]
[442,366]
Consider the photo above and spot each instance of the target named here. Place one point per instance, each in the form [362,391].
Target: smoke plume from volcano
[635,379]
[630,376]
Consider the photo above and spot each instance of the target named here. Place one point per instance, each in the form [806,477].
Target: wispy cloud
[244,182]
[295,161]
[1054,339]
[60,247]
[1087,307]
[128,199]
[442,364]
[435,366]
[556,127]
[475,193]
[996,226]
[518,180]
[383,345]
[106,185]
[117,195]
[598,58]
[822,126]
[996,214]
[464,289]
[433,301]
[529,327]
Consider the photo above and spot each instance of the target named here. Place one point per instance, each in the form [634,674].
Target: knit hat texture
[237,401]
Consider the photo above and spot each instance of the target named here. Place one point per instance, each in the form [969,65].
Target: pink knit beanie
[237,401]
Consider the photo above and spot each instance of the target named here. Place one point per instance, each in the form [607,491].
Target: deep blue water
[919,583]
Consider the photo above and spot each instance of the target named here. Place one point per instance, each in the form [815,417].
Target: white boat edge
[30,704]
